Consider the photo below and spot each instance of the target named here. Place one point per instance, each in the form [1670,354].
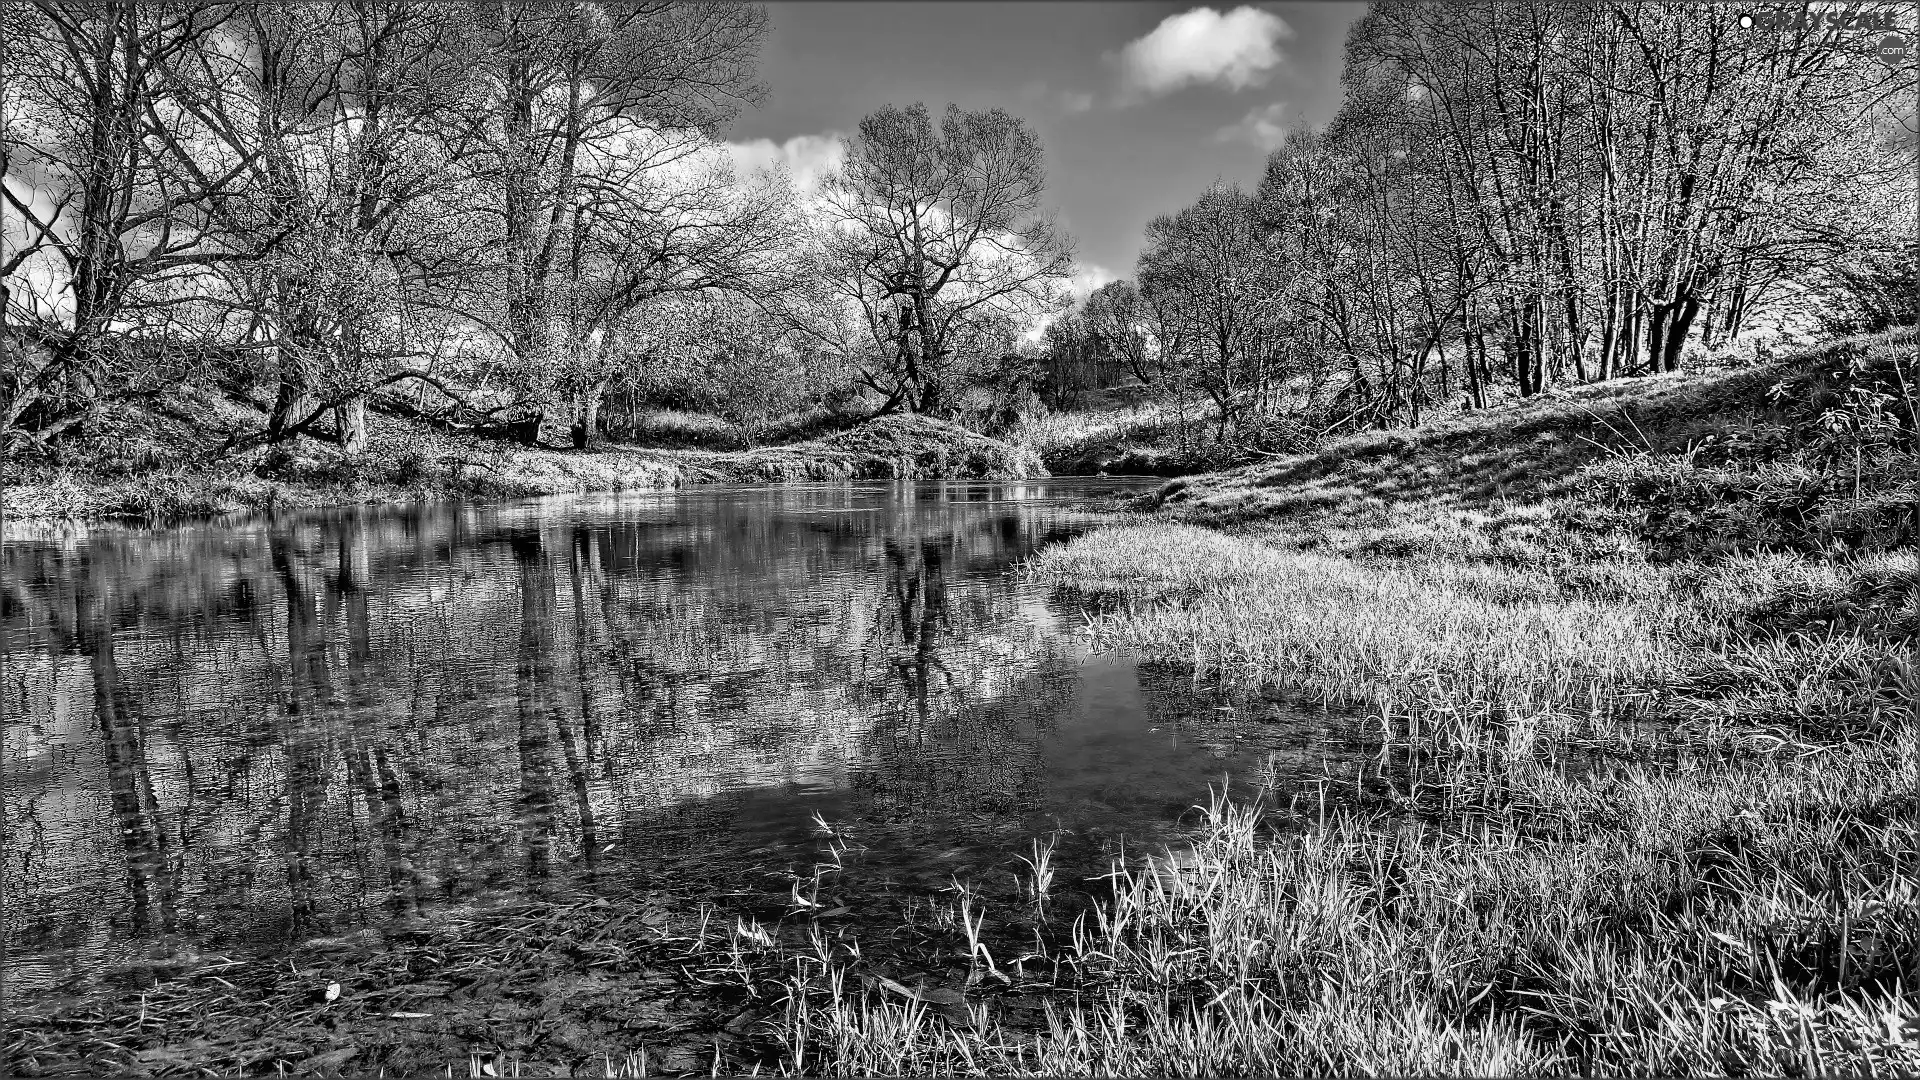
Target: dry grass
[1155,437]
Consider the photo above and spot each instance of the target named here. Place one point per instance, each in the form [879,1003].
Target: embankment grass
[1431,647]
[1642,922]
[1126,436]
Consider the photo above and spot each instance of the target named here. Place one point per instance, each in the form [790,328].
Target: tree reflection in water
[330,707]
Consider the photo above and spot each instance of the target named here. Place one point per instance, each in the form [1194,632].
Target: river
[243,733]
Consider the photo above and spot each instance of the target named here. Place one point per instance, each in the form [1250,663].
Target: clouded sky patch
[1260,128]
[1237,50]
[807,158]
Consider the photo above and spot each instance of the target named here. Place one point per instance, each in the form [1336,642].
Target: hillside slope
[1638,664]
[1812,453]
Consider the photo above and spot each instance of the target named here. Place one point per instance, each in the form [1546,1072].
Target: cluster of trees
[491,213]
[505,215]
[1518,194]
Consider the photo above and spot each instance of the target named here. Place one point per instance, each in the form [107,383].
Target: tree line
[519,219]
[1517,195]
[489,214]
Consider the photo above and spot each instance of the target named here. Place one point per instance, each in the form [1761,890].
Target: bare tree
[1115,316]
[343,120]
[934,234]
[653,233]
[99,209]
[558,82]
[1210,268]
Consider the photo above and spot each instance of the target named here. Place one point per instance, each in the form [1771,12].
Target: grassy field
[1639,663]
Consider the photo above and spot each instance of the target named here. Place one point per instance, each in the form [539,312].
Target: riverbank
[407,462]
[1638,659]
[1128,431]
[1634,667]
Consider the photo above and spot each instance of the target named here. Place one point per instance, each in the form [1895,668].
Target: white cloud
[807,158]
[1088,277]
[1259,128]
[1074,102]
[1237,50]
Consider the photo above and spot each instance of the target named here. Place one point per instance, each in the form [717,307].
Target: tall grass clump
[1434,649]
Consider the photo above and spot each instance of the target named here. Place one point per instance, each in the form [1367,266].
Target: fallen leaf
[332,1059]
[890,986]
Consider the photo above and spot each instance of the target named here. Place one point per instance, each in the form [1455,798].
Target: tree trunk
[1736,311]
[1657,337]
[932,397]
[350,419]
[1682,319]
[1474,365]
[526,432]
[1609,336]
[290,406]
[586,417]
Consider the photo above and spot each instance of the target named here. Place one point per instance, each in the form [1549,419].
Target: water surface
[237,734]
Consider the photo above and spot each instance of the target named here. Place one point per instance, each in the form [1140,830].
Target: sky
[1139,105]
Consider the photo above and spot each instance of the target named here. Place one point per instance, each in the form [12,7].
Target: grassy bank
[1126,433]
[133,476]
[1638,661]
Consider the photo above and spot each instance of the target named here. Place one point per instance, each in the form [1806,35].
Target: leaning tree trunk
[1680,321]
[290,406]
